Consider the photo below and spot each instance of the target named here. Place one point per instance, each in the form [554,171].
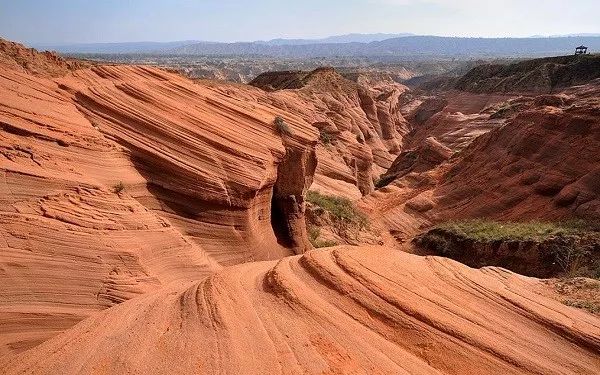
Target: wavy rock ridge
[349,310]
[115,180]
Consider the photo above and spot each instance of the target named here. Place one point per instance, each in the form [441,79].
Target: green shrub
[487,230]
[341,208]
[313,233]
[501,112]
[325,137]
[437,243]
[507,109]
[119,187]
[282,127]
[313,237]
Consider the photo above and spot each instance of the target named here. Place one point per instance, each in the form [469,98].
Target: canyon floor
[153,223]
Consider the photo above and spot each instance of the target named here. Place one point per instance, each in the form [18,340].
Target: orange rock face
[539,160]
[116,180]
[346,310]
[544,163]
[454,118]
[47,64]
[360,124]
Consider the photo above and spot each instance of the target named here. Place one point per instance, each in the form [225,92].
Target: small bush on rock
[384,181]
[281,126]
[325,137]
[119,187]
[313,236]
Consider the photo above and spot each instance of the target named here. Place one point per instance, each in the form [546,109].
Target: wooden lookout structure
[581,50]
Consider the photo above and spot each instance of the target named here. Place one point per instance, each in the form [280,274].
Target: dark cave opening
[279,221]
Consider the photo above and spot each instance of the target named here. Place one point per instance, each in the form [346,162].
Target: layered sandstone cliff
[116,180]
[539,161]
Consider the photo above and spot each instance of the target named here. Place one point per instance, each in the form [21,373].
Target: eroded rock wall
[118,180]
[359,121]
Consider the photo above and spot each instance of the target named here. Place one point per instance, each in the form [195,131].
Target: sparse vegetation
[437,243]
[313,236]
[582,293]
[487,230]
[341,208]
[325,137]
[589,306]
[282,127]
[543,249]
[119,187]
[500,112]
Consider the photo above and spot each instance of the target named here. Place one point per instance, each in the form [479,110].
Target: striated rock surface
[544,163]
[428,156]
[541,162]
[454,118]
[348,310]
[209,157]
[359,121]
[117,180]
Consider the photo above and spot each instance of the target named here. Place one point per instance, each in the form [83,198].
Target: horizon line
[407,35]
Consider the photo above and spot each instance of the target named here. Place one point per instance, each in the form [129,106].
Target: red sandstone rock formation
[136,191]
[341,311]
[541,162]
[116,180]
[47,64]
[360,124]
[544,163]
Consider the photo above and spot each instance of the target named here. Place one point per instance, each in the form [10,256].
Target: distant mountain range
[404,46]
[163,47]
[352,45]
[566,35]
[347,38]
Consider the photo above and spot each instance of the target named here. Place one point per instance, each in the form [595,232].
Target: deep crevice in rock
[294,177]
[279,221]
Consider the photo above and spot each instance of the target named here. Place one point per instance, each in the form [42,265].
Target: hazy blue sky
[69,21]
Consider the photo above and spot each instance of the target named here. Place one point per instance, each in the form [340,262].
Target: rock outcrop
[540,162]
[46,64]
[359,121]
[348,310]
[428,156]
[543,75]
[454,118]
[543,164]
[116,180]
